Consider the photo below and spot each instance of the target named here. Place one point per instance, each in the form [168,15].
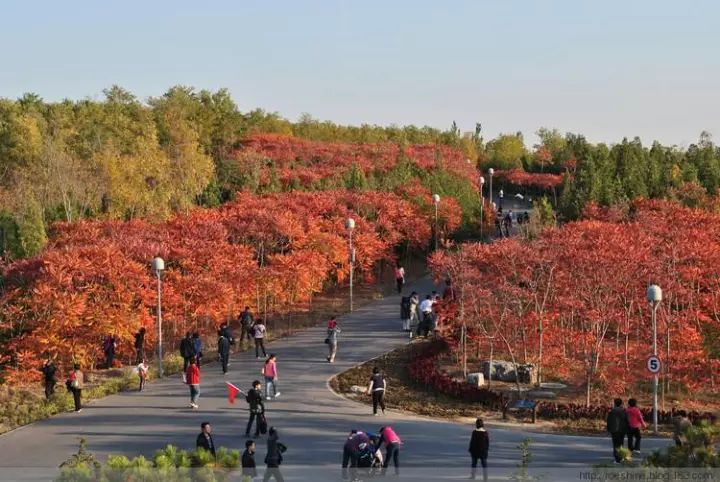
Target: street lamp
[491,171]
[158,266]
[350,225]
[654,297]
[436,202]
[482,203]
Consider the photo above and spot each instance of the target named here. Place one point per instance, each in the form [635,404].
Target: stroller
[370,460]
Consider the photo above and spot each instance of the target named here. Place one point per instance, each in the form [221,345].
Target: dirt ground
[406,395]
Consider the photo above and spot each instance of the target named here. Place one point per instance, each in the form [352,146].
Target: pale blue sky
[603,68]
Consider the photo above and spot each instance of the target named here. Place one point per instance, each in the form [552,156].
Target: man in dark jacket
[274,457]
[246,325]
[140,345]
[187,350]
[224,352]
[479,447]
[617,425]
[257,407]
[248,461]
[205,440]
[49,371]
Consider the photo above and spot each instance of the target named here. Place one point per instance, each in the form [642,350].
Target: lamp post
[436,202]
[350,225]
[158,266]
[501,194]
[654,297]
[482,204]
[491,171]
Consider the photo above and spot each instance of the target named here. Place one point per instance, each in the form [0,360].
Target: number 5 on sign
[653,365]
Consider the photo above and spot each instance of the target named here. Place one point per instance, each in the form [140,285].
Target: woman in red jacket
[192,377]
[635,423]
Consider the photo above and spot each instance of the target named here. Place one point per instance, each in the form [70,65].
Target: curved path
[312,420]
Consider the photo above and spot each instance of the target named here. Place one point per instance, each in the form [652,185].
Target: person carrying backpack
[254,399]
[259,335]
[274,457]
[617,426]
[246,325]
[187,350]
[75,384]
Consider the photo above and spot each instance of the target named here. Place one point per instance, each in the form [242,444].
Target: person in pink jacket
[635,423]
[392,448]
[270,373]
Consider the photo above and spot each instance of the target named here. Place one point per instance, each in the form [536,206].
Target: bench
[521,406]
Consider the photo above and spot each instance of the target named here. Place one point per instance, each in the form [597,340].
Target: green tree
[506,152]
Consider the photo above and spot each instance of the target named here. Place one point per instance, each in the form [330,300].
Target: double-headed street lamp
[482,203]
[436,202]
[654,297]
[491,171]
[158,266]
[350,226]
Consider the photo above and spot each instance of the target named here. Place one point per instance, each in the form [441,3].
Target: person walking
[392,448]
[140,345]
[76,383]
[376,388]
[49,371]
[332,339]
[405,312]
[187,350]
[680,424]
[257,408]
[142,370]
[205,440]
[479,447]
[274,457]
[246,325]
[197,347]
[270,372]
[224,352]
[399,277]
[636,422]
[249,471]
[259,335]
[192,378]
[109,346]
[425,310]
[617,425]
[414,319]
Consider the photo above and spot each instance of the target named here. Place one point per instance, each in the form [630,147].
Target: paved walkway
[312,421]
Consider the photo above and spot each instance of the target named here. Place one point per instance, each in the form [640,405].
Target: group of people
[504,222]
[74,383]
[420,318]
[362,451]
[273,458]
[629,422]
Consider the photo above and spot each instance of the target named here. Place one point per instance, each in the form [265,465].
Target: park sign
[653,364]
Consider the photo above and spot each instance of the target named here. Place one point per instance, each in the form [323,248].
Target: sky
[606,69]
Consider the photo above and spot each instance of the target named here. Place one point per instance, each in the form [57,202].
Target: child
[142,370]
[248,462]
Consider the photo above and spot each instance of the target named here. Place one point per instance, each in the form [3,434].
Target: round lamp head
[436,198]
[491,171]
[350,224]
[158,264]
[654,294]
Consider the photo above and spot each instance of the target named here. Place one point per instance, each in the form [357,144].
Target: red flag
[232,392]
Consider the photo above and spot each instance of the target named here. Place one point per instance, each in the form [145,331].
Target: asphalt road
[312,421]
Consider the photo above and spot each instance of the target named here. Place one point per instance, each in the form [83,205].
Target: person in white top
[259,335]
[426,310]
